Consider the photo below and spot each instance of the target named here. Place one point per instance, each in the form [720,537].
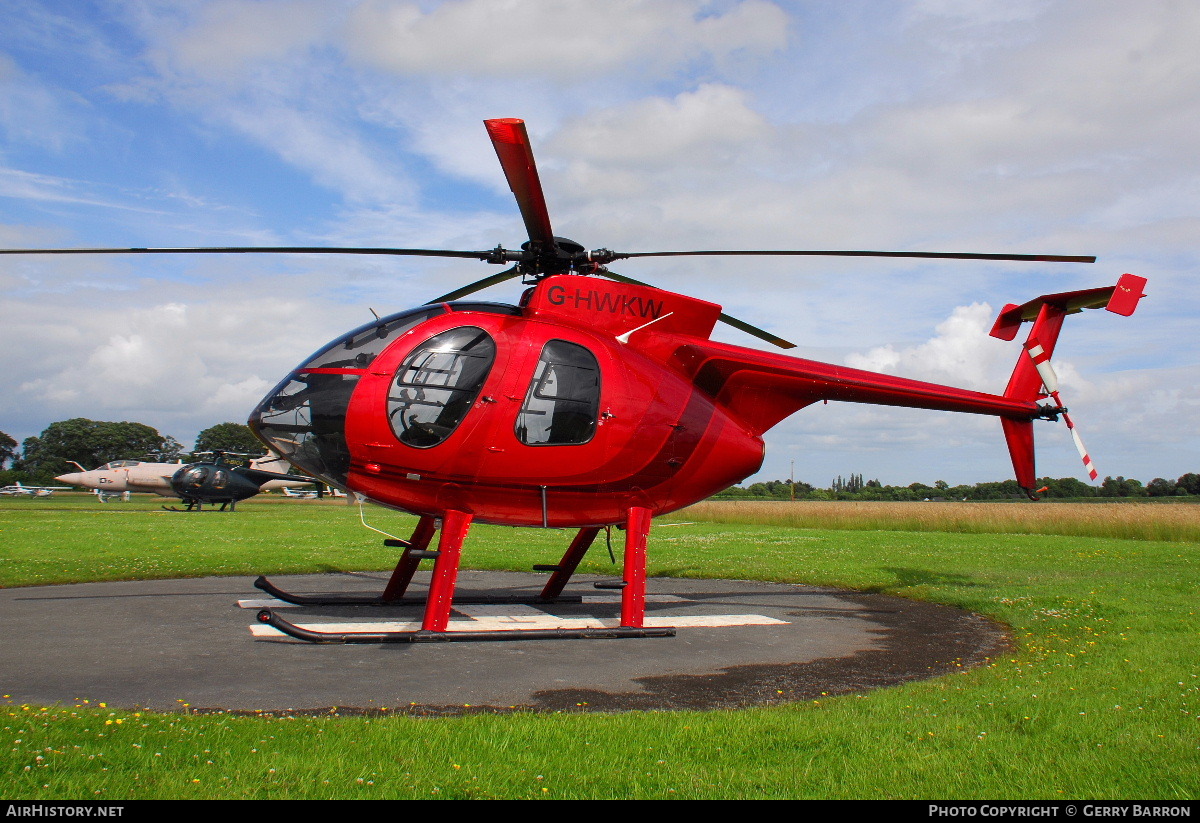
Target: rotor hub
[560,256]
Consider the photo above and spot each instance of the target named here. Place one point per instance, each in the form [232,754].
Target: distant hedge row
[855,488]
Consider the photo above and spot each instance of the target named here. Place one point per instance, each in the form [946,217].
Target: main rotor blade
[756,332]
[724,318]
[511,142]
[478,285]
[473,255]
[940,255]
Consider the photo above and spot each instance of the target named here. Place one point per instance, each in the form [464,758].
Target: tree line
[92,443]
[855,488]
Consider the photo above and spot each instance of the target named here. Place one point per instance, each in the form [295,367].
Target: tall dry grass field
[1129,521]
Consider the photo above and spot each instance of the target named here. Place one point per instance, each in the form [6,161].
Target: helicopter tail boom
[761,388]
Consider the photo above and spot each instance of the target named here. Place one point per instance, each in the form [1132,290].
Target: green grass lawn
[1099,699]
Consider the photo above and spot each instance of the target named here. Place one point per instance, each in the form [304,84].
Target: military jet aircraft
[167,479]
[125,476]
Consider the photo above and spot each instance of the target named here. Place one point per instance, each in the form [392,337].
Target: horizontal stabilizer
[1120,299]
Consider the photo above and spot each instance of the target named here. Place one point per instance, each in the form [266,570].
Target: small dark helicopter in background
[588,404]
[217,482]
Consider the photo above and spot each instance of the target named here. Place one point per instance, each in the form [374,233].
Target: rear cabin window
[563,400]
[437,384]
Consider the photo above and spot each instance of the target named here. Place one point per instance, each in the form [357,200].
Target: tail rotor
[1041,361]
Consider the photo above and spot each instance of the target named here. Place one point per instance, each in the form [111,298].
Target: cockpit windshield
[357,349]
[118,464]
[304,417]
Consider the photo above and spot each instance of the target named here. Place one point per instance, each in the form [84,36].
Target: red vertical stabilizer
[1026,384]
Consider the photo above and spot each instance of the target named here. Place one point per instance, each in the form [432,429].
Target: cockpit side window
[195,477]
[437,384]
[563,400]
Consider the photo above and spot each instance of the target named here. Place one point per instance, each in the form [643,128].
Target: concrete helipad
[171,644]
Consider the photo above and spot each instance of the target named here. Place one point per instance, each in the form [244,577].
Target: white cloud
[28,186]
[561,39]
[710,124]
[270,73]
[224,40]
[335,155]
[205,356]
[962,353]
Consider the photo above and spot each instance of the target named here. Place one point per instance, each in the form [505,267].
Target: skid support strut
[455,526]
[570,561]
[633,595]
[407,567]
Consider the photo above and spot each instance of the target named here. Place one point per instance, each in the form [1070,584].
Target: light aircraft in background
[32,491]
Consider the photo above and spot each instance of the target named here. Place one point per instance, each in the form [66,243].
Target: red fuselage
[590,398]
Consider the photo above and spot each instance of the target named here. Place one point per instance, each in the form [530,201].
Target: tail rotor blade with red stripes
[1083,453]
[1041,361]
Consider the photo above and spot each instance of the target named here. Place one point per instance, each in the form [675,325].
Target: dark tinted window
[564,398]
[193,478]
[437,383]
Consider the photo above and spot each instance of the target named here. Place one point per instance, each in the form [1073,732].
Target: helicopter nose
[72,479]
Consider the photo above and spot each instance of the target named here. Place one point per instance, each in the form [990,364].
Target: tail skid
[1033,379]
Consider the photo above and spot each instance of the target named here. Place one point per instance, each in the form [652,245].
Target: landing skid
[198,506]
[438,603]
[273,620]
[339,599]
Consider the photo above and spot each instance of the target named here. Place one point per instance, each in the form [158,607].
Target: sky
[1020,126]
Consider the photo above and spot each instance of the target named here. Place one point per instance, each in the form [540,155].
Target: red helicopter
[592,403]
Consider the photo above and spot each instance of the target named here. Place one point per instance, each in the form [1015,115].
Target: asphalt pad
[195,644]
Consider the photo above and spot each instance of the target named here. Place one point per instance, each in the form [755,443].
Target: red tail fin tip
[1126,294]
